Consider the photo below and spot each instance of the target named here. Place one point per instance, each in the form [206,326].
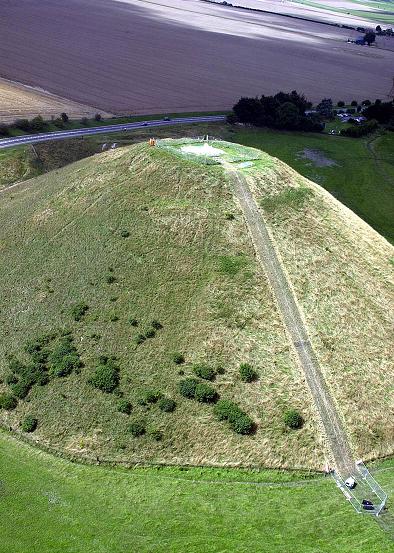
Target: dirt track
[177,55]
[290,312]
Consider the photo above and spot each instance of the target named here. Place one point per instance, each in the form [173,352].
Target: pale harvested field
[177,55]
[326,10]
[18,101]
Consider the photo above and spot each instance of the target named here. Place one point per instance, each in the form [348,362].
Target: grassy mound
[133,256]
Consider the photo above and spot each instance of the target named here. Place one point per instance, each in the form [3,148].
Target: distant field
[72,508]
[350,12]
[172,55]
[18,102]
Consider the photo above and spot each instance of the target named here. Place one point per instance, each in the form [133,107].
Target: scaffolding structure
[367,496]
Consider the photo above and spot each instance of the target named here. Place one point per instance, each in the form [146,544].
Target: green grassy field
[48,504]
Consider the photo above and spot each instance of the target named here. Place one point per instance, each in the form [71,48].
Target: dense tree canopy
[282,111]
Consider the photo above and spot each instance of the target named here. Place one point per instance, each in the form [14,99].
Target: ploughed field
[131,271]
[140,57]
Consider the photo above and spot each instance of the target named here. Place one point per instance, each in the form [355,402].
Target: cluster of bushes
[356,131]
[192,388]
[239,421]
[45,362]
[106,375]
[149,333]
[64,358]
[282,111]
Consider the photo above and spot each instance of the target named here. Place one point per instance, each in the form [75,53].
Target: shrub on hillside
[137,428]
[124,406]
[204,371]
[105,376]
[133,322]
[98,117]
[187,387]
[341,104]
[150,333]
[178,358]
[8,401]
[156,325]
[293,419]
[29,424]
[152,396]
[204,393]
[4,129]
[64,358]
[78,310]
[247,373]
[156,435]
[124,233]
[167,405]
[140,338]
[238,420]
[110,279]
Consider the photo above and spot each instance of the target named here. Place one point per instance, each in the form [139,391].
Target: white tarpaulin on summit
[205,150]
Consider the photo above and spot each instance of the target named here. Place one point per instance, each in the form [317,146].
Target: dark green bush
[133,322]
[150,333]
[293,419]
[152,396]
[357,131]
[106,376]
[8,401]
[64,358]
[124,406]
[220,370]
[140,338]
[109,279]
[113,317]
[78,310]
[10,378]
[21,389]
[124,233]
[156,435]
[229,216]
[167,405]
[156,325]
[178,358]
[204,393]
[187,387]
[29,424]
[15,365]
[247,373]
[204,371]
[137,428]
[238,420]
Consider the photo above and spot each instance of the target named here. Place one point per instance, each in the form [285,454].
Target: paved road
[294,323]
[61,135]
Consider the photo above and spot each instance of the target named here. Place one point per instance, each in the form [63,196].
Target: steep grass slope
[342,273]
[138,236]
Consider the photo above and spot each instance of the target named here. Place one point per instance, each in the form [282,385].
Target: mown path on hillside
[294,323]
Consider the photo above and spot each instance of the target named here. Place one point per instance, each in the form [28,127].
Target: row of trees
[282,111]
[38,124]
